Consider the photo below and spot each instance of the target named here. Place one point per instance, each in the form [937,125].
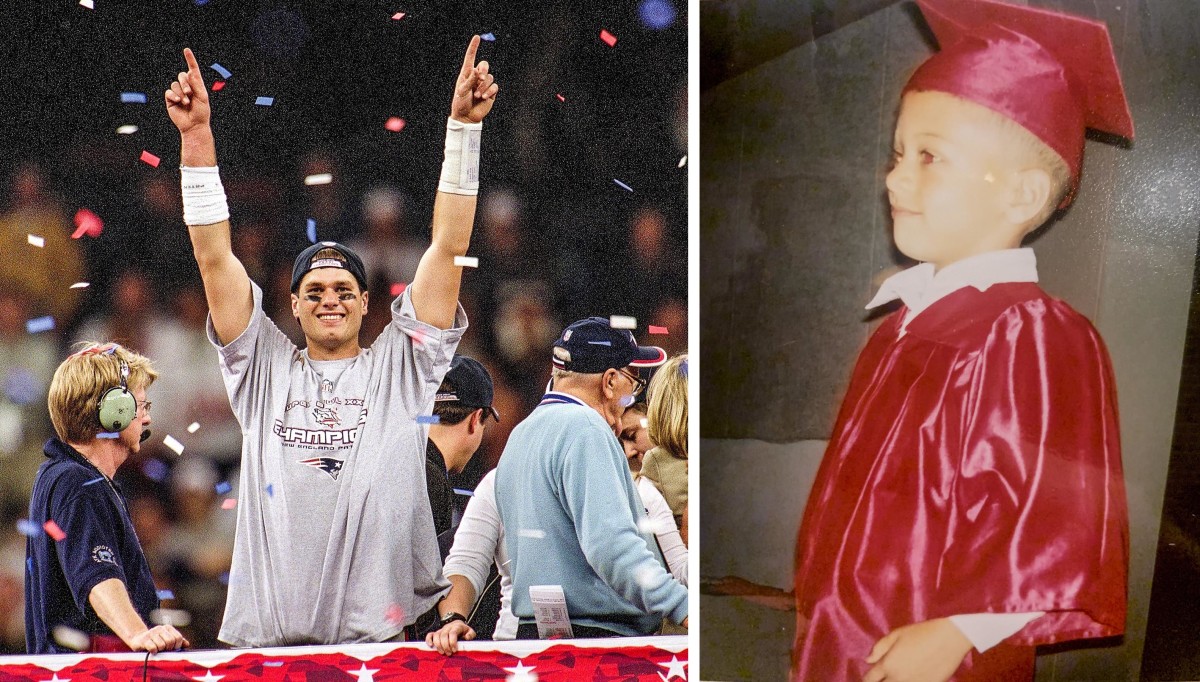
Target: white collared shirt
[919,287]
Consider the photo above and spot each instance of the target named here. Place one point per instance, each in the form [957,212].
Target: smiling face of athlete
[329,305]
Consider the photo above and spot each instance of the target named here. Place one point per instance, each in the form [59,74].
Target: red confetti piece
[87,223]
[398,288]
[395,124]
[657,330]
[228,503]
[608,38]
[397,16]
[54,531]
[395,614]
[150,158]
[218,85]
[560,97]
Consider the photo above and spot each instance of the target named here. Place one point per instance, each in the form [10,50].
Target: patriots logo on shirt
[326,416]
[329,465]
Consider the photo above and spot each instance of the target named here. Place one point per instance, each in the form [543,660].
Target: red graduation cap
[1054,74]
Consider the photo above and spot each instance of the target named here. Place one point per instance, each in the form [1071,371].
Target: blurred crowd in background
[582,211]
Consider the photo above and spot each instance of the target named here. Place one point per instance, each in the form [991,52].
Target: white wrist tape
[203,196]
[460,170]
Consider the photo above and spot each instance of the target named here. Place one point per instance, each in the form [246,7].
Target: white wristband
[203,195]
[460,170]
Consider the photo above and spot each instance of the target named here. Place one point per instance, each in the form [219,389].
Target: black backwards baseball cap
[328,255]
[591,346]
[469,383]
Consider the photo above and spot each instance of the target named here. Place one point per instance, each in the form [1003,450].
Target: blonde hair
[80,381]
[667,412]
[1039,154]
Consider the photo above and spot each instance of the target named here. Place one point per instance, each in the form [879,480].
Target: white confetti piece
[80,285]
[175,445]
[318,179]
[622,322]
[466,261]
[623,184]
[534,533]
[644,422]
[648,576]
[193,427]
[176,617]
[71,638]
[682,161]
[37,241]
[90,5]
[127,129]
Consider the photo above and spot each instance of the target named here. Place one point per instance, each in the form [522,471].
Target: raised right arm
[226,284]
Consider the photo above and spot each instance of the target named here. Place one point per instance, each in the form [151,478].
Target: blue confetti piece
[623,184]
[270,490]
[463,491]
[110,435]
[312,231]
[264,101]
[155,469]
[166,594]
[428,419]
[39,324]
[223,487]
[490,37]
[201,3]
[133,98]
[94,480]
[221,69]
[21,386]
[683,368]
[29,528]
[29,564]
[600,343]
[223,578]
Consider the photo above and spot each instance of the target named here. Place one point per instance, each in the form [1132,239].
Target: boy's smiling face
[951,182]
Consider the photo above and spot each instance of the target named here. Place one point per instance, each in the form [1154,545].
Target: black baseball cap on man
[469,383]
[328,255]
[592,346]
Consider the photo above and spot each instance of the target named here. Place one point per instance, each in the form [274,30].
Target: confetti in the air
[270,490]
[394,124]
[54,531]
[133,98]
[490,37]
[29,528]
[264,101]
[648,575]
[87,222]
[88,4]
[627,400]
[156,470]
[534,533]
[644,423]
[127,129]
[218,86]
[622,322]
[228,503]
[600,343]
[560,97]
[318,179]
[193,427]
[165,594]
[398,288]
[223,487]
[81,285]
[149,158]
[394,614]
[683,161]
[70,637]
[311,230]
[623,185]
[223,578]
[397,16]
[170,617]
[428,419]
[39,324]
[654,527]
[657,330]
[608,38]
[463,491]
[94,481]
[109,435]
[683,368]
[221,70]
[37,241]
[466,261]
[175,445]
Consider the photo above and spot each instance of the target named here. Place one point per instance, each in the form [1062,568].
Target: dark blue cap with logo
[592,346]
[328,255]
[469,385]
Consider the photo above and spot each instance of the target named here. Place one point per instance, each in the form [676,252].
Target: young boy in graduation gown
[971,502]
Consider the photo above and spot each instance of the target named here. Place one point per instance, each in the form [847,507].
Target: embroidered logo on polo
[102,554]
[329,465]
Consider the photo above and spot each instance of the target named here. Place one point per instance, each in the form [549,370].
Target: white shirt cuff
[986,630]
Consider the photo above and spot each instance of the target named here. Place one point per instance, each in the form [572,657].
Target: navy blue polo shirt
[100,544]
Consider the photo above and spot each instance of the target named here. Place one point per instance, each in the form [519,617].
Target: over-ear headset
[117,407]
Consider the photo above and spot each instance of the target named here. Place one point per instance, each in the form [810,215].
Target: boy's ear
[1028,194]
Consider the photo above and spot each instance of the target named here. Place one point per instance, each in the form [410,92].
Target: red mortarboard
[1052,73]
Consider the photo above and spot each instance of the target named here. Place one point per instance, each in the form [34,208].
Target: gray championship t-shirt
[335,542]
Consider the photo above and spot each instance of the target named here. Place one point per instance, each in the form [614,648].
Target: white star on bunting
[521,673]
[675,667]
[364,673]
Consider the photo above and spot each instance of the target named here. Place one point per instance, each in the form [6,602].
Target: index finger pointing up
[190,58]
[469,58]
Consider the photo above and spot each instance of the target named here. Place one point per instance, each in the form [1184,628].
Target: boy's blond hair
[80,381]
[1039,155]
[667,412]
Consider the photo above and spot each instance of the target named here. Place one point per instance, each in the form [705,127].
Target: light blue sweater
[571,515]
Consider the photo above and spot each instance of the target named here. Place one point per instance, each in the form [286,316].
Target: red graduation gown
[974,467]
